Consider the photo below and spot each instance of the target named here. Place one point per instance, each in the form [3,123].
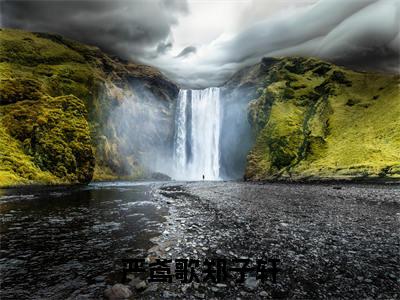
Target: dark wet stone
[118,291]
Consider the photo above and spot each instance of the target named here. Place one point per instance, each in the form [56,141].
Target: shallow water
[63,242]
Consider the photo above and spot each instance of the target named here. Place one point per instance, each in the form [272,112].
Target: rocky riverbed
[332,240]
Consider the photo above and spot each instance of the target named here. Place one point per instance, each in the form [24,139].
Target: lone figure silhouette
[203,177]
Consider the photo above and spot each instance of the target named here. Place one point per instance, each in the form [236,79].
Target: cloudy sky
[201,43]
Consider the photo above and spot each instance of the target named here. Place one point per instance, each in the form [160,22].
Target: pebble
[151,288]
[198,295]
[118,291]
[251,283]
[185,288]
[100,278]
[168,294]
[141,285]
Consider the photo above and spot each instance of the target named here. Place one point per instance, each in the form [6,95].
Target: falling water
[197,133]
[180,131]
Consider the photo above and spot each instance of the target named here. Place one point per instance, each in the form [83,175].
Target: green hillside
[317,120]
[311,119]
[55,100]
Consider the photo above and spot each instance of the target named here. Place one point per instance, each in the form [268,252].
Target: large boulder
[117,292]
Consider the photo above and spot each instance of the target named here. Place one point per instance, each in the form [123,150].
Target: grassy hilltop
[317,120]
[55,100]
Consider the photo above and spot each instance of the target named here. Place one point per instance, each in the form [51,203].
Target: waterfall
[180,131]
[197,133]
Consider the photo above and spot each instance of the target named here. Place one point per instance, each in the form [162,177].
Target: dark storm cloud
[363,34]
[127,28]
[163,48]
[187,51]
[360,34]
[350,32]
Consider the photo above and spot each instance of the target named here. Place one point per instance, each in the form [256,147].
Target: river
[61,242]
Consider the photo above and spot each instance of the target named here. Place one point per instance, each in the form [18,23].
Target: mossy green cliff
[310,119]
[313,119]
[56,96]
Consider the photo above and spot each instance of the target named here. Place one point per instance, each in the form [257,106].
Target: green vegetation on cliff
[311,119]
[55,99]
[317,120]
[53,134]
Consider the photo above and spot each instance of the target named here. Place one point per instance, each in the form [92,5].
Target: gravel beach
[332,240]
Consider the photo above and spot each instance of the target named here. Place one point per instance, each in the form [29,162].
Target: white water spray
[197,133]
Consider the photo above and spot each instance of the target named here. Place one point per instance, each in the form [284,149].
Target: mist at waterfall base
[202,132]
[143,127]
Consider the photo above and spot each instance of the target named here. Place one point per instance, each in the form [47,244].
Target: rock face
[58,111]
[313,119]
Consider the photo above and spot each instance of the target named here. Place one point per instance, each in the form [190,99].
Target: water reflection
[61,242]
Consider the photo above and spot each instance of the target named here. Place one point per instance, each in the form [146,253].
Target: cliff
[70,113]
[57,97]
[315,120]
